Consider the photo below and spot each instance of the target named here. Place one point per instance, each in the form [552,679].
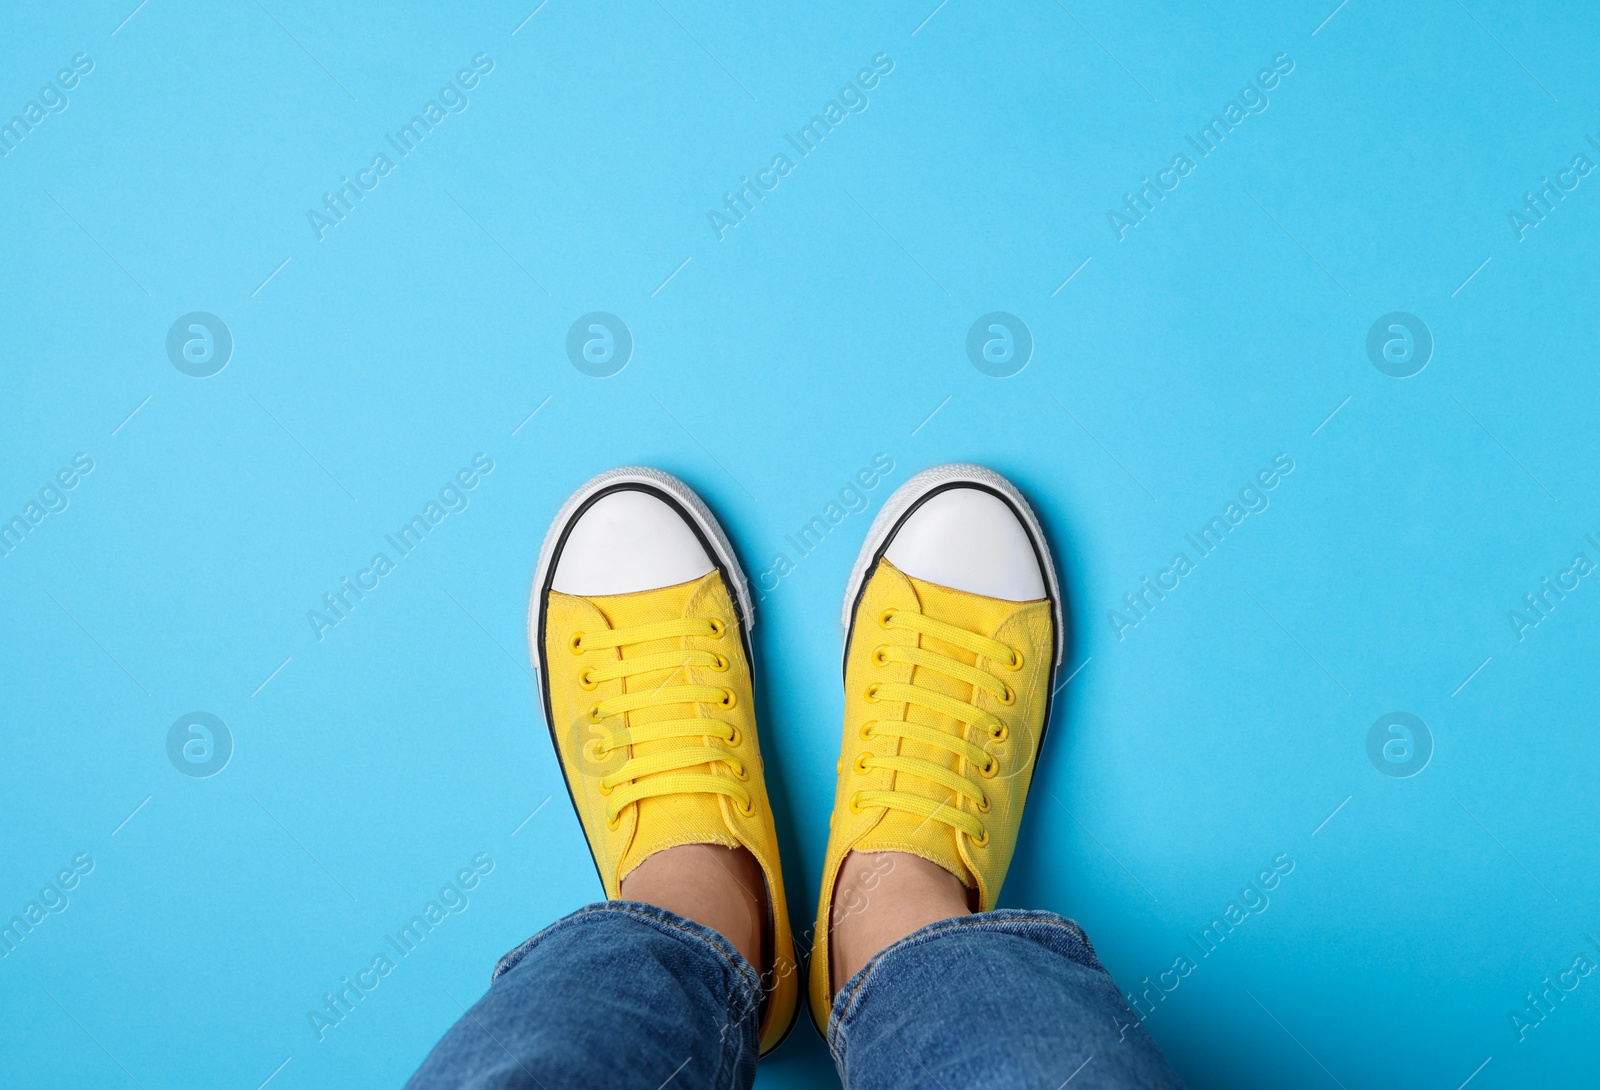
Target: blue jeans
[627,995]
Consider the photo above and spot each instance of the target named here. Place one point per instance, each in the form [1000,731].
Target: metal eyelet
[871,694]
[743,812]
[855,803]
[1002,734]
[1010,698]
[603,789]
[1016,660]
[989,770]
[980,842]
[735,738]
[718,629]
[614,825]
[866,733]
[729,700]
[594,714]
[861,762]
[886,616]
[722,664]
[983,805]
[586,682]
[739,771]
[577,637]
[880,655]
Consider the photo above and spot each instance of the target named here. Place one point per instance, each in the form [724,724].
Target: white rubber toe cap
[628,541]
[969,539]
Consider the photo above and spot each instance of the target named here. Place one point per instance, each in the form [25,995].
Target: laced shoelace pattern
[974,757]
[694,767]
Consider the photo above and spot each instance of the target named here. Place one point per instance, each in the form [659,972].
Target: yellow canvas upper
[643,774]
[907,769]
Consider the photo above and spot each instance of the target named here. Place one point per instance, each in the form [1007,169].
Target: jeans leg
[618,994]
[1000,1000]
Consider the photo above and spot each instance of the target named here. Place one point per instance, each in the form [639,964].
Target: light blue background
[826,328]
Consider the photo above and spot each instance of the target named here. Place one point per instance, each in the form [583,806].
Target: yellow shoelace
[976,757]
[666,772]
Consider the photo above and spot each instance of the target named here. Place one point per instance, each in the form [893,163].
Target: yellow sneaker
[638,624]
[953,632]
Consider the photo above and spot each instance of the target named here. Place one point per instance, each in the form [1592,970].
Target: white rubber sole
[687,499]
[909,495]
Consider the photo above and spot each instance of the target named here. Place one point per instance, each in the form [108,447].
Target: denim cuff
[1053,931]
[702,940]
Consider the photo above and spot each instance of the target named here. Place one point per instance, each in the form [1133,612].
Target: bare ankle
[722,888]
[880,898]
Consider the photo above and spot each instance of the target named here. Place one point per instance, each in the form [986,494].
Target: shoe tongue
[665,820]
[897,830]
